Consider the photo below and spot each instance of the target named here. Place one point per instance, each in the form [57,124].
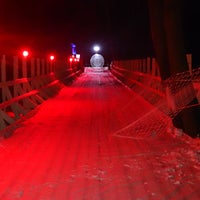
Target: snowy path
[76,148]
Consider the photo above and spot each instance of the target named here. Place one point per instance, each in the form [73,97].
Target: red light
[25,53]
[52,57]
[73,59]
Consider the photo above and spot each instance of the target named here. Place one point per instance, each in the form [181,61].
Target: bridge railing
[24,84]
[143,76]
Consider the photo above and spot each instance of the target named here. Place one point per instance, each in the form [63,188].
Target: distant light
[74,58]
[25,53]
[52,57]
[78,56]
[96,48]
[73,46]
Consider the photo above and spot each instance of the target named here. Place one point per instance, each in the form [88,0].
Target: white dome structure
[97,60]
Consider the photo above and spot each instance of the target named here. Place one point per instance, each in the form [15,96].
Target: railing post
[144,67]
[24,67]
[43,67]
[3,69]
[15,74]
[15,68]
[148,65]
[153,73]
[48,68]
[137,65]
[32,67]
[141,65]
[51,67]
[38,67]
[189,61]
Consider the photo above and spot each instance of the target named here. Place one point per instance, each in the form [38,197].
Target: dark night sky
[120,27]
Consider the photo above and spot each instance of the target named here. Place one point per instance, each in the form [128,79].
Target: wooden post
[148,65]
[189,62]
[137,65]
[51,67]
[48,68]
[140,68]
[38,66]
[43,66]
[32,67]
[3,69]
[154,66]
[144,65]
[15,74]
[16,68]
[24,67]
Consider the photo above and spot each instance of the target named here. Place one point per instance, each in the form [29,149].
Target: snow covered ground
[97,140]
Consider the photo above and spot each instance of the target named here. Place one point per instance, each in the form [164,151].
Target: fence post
[24,67]
[144,67]
[148,65]
[153,73]
[15,68]
[189,61]
[48,68]
[6,94]
[17,88]
[38,67]
[43,67]
[32,67]
[3,69]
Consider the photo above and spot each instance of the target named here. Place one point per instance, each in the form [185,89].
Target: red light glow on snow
[98,140]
